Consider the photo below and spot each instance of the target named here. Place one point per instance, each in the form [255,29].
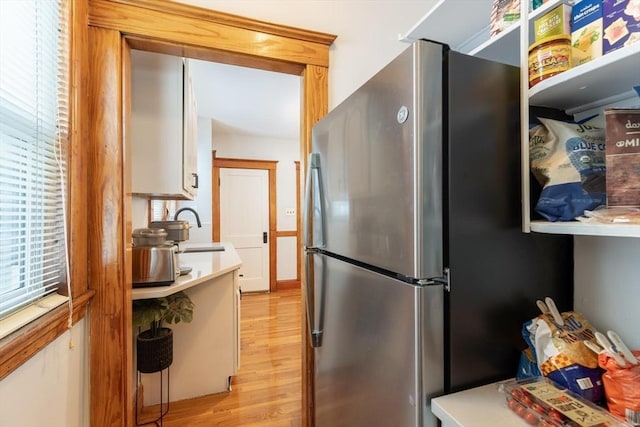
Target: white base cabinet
[163,127]
[206,352]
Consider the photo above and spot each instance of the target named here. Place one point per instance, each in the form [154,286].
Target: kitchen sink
[202,249]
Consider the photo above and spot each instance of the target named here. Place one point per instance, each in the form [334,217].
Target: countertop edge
[228,258]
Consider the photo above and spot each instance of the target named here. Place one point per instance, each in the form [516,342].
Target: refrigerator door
[380,359]
[380,157]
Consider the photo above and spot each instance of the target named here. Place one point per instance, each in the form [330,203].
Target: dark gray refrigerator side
[497,271]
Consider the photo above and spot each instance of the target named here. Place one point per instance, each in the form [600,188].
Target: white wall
[367,30]
[51,388]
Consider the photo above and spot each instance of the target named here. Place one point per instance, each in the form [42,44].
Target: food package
[504,13]
[622,140]
[537,3]
[553,23]
[542,403]
[562,356]
[621,24]
[568,160]
[622,387]
[604,215]
[586,31]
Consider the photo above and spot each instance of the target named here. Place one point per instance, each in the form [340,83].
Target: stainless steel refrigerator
[418,275]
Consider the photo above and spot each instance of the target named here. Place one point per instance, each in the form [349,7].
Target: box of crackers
[586,31]
[621,24]
[622,141]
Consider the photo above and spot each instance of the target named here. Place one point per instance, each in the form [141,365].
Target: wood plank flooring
[267,390]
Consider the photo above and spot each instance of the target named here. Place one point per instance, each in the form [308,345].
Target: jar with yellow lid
[548,57]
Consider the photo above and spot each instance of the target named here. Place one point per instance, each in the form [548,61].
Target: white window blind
[34,134]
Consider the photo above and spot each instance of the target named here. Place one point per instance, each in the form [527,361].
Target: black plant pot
[154,353]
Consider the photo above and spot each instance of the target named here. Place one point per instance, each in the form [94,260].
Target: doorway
[165,27]
[220,163]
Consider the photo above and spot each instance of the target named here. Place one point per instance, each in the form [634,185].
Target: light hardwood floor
[267,390]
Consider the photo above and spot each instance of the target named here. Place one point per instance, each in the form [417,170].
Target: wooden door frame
[178,29]
[270,167]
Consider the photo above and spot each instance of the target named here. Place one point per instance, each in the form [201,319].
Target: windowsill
[22,344]
[30,313]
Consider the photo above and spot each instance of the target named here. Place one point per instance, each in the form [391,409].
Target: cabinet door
[190,139]
[163,144]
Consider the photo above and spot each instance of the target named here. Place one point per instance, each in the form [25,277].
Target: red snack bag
[622,387]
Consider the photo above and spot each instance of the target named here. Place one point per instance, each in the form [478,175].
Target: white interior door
[244,220]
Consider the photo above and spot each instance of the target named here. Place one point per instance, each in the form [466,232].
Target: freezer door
[379,154]
[380,358]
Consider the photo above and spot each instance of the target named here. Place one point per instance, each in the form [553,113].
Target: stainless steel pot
[154,258]
[149,237]
[177,231]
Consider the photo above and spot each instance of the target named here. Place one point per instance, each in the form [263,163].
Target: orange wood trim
[314,92]
[18,347]
[298,224]
[287,284]
[205,29]
[231,20]
[289,233]
[215,199]
[222,162]
[273,242]
[110,320]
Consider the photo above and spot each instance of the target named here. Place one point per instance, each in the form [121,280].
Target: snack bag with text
[562,356]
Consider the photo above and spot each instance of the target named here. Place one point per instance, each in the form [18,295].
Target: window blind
[34,58]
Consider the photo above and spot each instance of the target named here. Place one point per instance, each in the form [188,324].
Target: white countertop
[476,407]
[205,266]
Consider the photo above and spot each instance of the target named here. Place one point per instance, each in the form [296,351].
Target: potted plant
[154,345]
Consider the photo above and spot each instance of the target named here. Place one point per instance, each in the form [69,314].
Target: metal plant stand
[164,407]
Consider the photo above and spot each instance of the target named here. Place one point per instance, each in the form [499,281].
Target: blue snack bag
[568,160]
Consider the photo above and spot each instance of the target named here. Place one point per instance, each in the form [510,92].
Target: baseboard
[287,284]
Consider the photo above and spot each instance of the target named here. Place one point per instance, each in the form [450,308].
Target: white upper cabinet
[611,80]
[163,127]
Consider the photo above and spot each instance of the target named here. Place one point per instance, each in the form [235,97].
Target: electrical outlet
[290,211]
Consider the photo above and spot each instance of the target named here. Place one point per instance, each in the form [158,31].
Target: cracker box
[586,31]
[621,24]
[622,140]
[553,23]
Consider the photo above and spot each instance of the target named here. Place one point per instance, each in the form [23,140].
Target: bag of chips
[568,160]
[622,387]
[562,356]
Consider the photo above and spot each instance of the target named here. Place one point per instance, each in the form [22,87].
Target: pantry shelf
[586,229]
[610,78]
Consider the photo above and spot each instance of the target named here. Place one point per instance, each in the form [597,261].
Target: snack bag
[563,357]
[622,387]
[568,160]
[528,365]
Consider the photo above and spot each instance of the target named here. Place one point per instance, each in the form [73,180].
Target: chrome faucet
[175,217]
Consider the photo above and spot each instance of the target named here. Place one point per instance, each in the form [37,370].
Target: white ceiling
[248,101]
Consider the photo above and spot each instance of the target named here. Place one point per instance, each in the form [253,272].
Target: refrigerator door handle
[314,204]
[314,332]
